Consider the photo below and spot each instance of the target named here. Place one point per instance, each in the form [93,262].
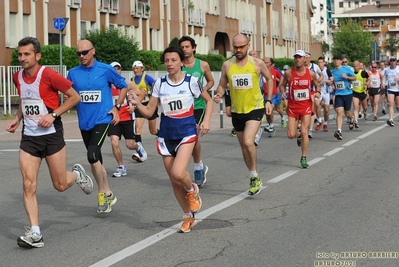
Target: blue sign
[59,24]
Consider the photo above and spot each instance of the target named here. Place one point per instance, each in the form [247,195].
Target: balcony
[196,17]
[114,7]
[393,27]
[141,8]
[374,27]
[75,4]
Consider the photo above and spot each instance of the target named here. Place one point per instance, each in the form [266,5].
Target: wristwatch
[269,101]
[54,115]
[118,106]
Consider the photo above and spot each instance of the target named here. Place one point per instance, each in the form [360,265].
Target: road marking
[73,140]
[133,249]
[9,150]
[372,131]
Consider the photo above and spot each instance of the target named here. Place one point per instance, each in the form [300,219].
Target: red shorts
[297,112]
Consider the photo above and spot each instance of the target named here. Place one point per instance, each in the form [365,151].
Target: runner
[383,90]
[300,103]
[178,131]
[359,91]
[325,89]
[392,78]
[200,69]
[375,85]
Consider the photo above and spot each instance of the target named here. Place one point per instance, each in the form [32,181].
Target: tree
[174,42]
[113,45]
[352,41]
[391,44]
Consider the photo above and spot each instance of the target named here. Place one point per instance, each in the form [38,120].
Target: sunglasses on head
[84,52]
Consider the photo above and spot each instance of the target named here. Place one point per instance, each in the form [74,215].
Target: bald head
[85,52]
[240,38]
[253,53]
[84,45]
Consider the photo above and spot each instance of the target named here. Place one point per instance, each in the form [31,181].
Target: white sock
[78,177]
[35,229]
[253,173]
[198,166]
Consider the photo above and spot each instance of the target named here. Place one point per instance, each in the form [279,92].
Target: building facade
[276,28]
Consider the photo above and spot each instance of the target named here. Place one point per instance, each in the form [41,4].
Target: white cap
[137,64]
[286,67]
[300,53]
[113,64]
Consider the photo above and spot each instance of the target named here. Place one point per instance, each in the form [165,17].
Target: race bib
[174,105]
[392,84]
[33,108]
[115,100]
[90,96]
[340,85]
[356,84]
[301,94]
[242,81]
[374,83]
[322,86]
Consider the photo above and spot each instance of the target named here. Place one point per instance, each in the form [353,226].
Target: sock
[303,157]
[122,166]
[188,214]
[35,229]
[110,195]
[326,122]
[78,177]
[191,189]
[253,173]
[271,125]
[198,166]
[138,138]
[339,130]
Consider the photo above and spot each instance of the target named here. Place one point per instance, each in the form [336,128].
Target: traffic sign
[59,24]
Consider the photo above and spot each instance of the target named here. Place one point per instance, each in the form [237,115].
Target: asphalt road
[342,210]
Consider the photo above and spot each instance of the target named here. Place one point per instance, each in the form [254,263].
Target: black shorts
[123,128]
[42,146]
[239,120]
[153,117]
[95,136]
[383,91]
[360,96]
[199,115]
[344,101]
[374,91]
[227,100]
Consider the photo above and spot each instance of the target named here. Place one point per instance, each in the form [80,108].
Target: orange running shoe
[194,199]
[188,223]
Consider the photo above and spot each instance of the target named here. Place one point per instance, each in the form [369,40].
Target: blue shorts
[276,99]
[393,93]
[344,101]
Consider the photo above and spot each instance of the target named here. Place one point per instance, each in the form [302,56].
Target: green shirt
[196,71]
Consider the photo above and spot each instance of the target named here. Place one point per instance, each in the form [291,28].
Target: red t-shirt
[50,83]
[300,90]
[275,75]
[124,114]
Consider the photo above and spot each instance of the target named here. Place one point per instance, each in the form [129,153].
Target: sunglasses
[373,67]
[241,47]
[392,60]
[344,61]
[84,52]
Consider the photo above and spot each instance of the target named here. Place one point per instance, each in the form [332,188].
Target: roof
[374,9]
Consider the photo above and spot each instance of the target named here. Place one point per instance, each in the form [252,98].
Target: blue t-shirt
[342,86]
[93,84]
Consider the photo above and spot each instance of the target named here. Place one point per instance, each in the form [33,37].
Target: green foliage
[325,47]
[51,56]
[151,59]
[391,44]
[215,61]
[352,40]
[280,62]
[113,45]
[174,42]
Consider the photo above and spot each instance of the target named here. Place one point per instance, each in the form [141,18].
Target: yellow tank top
[244,87]
[358,85]
[143,86]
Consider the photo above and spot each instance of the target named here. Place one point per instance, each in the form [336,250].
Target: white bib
[174,105]
[33,108]
[356,84]
[340,85]
[392,85]
[242,81]
[90,96]
[301,94]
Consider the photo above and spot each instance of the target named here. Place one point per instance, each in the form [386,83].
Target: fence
[9,90]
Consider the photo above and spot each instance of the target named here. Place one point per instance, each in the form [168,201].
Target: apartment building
[381,18]
[276,28]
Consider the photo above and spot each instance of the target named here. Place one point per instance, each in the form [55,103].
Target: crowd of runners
[109,105]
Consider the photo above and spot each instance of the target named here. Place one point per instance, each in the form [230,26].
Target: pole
[61,70]
[221,113]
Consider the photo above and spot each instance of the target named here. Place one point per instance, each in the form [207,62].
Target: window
[341,4]
[349,4]
[356,4]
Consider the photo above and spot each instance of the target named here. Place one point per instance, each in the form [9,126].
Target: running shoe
[272,132]
[255,185]
[304,163]
[120,171]
[283,123]
[365,114]
[267,128]
[338,135]
[356,124]
[141,154]
[390,122]
[375,117]
[299,141]
[188,223]
[383,111]
[200,176]
[310,134]
[31,239]
[83,180]
[318,126]
[112,199]
[351,125]
[194,199]
[360,115]
[103,203]
[325,128]
[233,133]
[258,136]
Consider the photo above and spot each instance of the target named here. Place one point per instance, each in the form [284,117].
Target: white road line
[351,142]
[282,176]
[73,140]
[332,152]
[9,150]
[133,249]
[372,131]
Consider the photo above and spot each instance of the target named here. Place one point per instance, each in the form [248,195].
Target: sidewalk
[71,129]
